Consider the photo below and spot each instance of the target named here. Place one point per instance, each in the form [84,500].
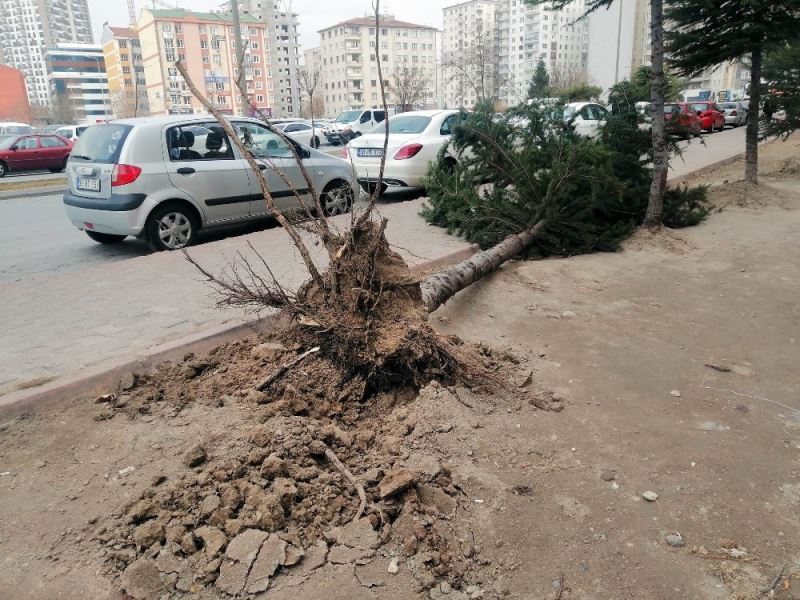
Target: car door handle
[186,171]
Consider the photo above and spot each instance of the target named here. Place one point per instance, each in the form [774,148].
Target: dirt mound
[788,168]
[746,195]
[664,238]
[276,498]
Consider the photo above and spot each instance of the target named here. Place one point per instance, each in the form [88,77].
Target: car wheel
[3,169]
[315,142]
[336,199]
[449,166]
[171,227]
[105,238]
[61,168]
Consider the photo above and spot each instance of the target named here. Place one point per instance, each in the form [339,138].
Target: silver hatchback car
[165,178]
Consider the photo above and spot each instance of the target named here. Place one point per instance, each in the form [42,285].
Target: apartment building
[14,105]
[123,58]
[348,57]
[79,83]
[205,42]
[284,39]
[527,33]
[469,53]
[29,27]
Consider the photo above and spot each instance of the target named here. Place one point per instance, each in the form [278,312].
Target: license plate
[370,152]
[92,185]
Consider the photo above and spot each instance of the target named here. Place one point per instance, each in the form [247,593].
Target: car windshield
[701,107]
[669,108]
[728,105]
[7,141]
[101,143]
[348,116]
[18,129]
[407,124]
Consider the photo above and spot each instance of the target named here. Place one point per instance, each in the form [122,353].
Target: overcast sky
[314,14]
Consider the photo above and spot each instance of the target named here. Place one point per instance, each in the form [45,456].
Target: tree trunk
[439,287]
[751,134]
[655,204]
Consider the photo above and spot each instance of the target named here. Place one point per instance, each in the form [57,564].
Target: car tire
[159,228]
[3,169]
[315,142]
[105,238]
[59,169]
[336,198]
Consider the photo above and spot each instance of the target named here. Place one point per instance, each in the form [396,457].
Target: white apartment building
[469,38]
[284,40]
[527,33]
[77,75]
[29,27]
[349,66]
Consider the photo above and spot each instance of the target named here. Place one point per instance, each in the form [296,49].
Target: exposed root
[362,496]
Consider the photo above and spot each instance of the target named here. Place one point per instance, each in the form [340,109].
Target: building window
[202,29]
[178,28]
[123,44]
[259,98]
[215,44]
[204,44]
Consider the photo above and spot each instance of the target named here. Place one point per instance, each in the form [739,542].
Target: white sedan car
[300,132]
[415,139]
[586,117]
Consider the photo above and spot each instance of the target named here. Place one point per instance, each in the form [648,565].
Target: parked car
[415,139]
[11,128]
[711,117]
[71,132]
[300,132]
[352,123]
[681,119]
[51,129]
[33,153]
[735,113]
[153,178]
[586,118]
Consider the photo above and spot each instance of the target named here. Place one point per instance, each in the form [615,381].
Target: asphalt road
[37,240]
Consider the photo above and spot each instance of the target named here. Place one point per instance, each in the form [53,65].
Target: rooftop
[184,13]
[122,32]
[385,21]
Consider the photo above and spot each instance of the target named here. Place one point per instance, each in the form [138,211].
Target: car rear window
[701,107]
[728,105]
[101,143]
[409,124]
[12,129]
[668,108]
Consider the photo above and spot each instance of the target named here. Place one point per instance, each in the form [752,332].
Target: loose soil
[675,361]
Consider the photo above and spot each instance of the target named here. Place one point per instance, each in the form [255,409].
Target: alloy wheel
[174,230]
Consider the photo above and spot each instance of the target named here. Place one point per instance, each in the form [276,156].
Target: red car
[711,116]
[33,153]
[681,117]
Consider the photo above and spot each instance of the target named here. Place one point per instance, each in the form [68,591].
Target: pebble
[650,496]
[568,314]
[675,393]
[675,540]
[393,567]
[444,587]
[608,476]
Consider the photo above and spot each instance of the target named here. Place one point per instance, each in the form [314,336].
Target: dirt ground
[676,361]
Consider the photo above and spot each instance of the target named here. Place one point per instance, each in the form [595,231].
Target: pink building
[205,43]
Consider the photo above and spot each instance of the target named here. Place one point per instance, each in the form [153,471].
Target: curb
[674,181]
[32,192]
[102,378]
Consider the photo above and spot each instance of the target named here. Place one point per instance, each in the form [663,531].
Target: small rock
[127,381]
[273,466]
[261,436]
[650,496]
[142,580]
[317,448]
[125,471]
[292,555]
[195,456]
[149,533]
[524,379]
[608,475]
[568,314]
[675,540]
[393,568]
[675,393]
[209,504]
[444,587]
[256,397]
[267,350]
[245,546]
[395,481]
[213,539]
[476,594]
[40,464]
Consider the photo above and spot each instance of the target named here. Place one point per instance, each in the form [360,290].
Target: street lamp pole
[237,32]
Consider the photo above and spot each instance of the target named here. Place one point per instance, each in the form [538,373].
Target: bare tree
[308,81]
[475,68]
[564,76]
[410,85]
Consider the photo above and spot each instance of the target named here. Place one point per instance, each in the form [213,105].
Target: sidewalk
[123,309]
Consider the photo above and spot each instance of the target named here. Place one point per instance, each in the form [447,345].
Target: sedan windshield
[407,124]
[7,141]
[348,116]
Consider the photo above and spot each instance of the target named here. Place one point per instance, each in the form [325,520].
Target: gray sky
[314,14]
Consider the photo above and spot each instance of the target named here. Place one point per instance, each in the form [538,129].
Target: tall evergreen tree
[655,203]
[782,89]
[709,32]
[540,84]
